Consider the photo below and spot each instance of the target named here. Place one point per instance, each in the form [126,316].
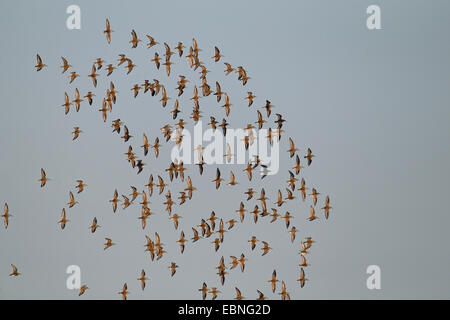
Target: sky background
[372,105]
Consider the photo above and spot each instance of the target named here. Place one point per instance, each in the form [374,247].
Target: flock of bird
[209,227]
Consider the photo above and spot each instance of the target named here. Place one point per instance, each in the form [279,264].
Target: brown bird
[204,290]
[15,272]
[124,292]
[196,235]
[156,147]
[63,220]
[309,156]
[273,281]
[233,181]
[229,68]
[314,195]
[152,42]
[297,166]
[43,180]
[218,179]
[110,68]
[65,65]
[77,100]
[292,148]
[80,186]
[130,65]
[89,96]
[182,241]
[268,108]
[93,75]
[94,226]
[76,132]
[72,201]
[214,293]
[250,98]
[67,103]
[39,64]
[241,211]
[108,243]
[108,31]
[303,189]
[173,268]
[266,248]
[217,54]
[157,60]
[327,207]
[134,41]
[284,294]
[180,48]
[293,231]
[83,289]
[260,295]
[302,278]
[142,279]
[312,215]
[238,294]
[73,76]
[115,200]
[253,242]
[161,184]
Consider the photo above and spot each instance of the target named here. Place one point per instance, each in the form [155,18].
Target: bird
[67,103]
[77,100]
[94,226]
[312,215]
[204,290]
[238,294]
[72,201]
[115,200]
[218,179]
[233,181]
[314,195]
[108,31]
[182,241]
[214,293]
[6,215]
[241,211]
[65,65]
[250,97]
[327,207]
[293,231]
[152,41]
[63,220]
[173,268]
[284,294]
[229,68]
[273,281]
[266,248]
[309,156]
[124,292]
[43,180]
[108,243]
[83,289]
[93,75]
[39,64]
[89,96]
[76,132]
[15,272]
[292,148]
[142,279]
[297,166]
[260,295]
[217,54]
[134,39]
[302,278]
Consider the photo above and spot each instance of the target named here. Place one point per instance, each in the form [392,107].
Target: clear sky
[372,105]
